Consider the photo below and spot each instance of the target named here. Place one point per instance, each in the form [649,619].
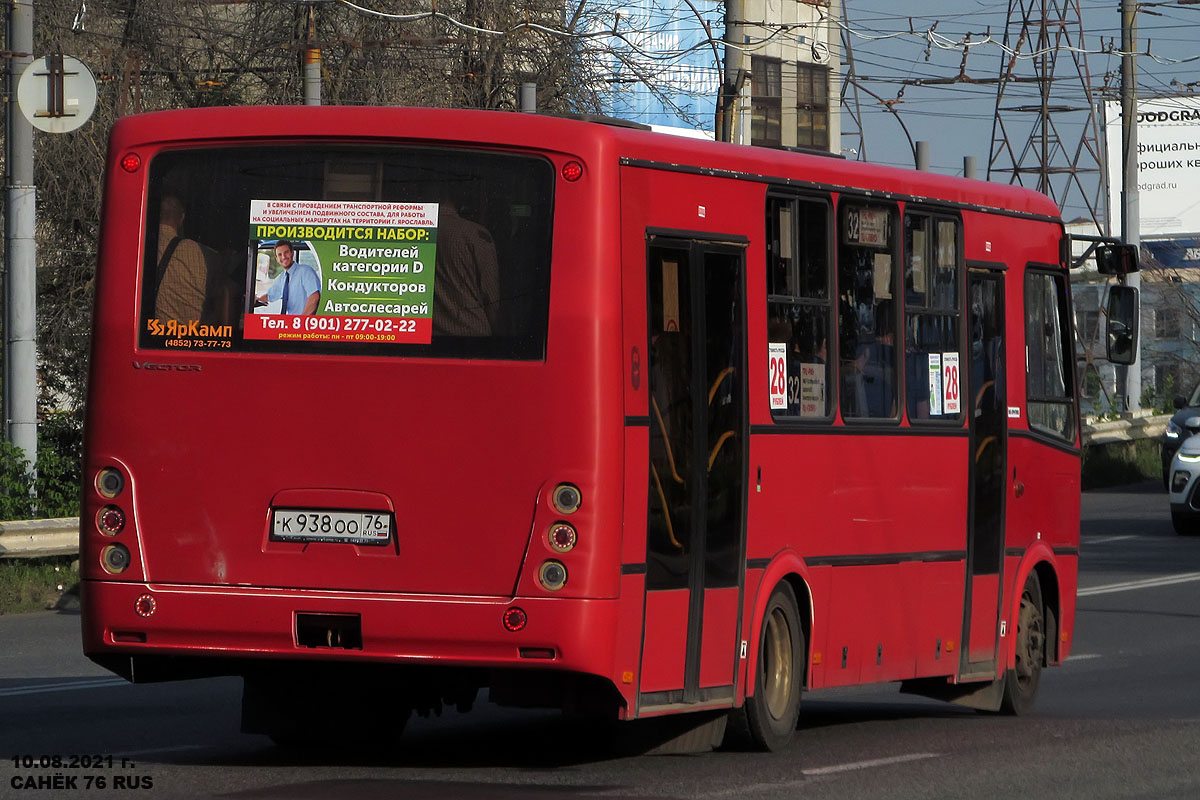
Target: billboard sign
[1168,132]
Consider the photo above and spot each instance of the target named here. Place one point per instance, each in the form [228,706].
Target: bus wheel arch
[777,669]
[1051,605]
[1021,680]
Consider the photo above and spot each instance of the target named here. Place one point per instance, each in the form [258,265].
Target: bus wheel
[772,711]
[1021,682]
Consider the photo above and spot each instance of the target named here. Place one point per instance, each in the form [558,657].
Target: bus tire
[1021,682]
[771,713]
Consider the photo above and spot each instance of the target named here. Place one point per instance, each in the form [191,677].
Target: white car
[1184,477]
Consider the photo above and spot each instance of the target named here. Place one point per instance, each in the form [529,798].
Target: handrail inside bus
[666,440]
[662,496]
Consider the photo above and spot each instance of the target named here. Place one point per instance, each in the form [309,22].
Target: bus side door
[987,409]
[697,475]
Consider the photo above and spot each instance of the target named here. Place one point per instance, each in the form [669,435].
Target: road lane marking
[159,750]
[874,762]
[1107,539]
[817,772]
[45,688]
[1084,657]
[1148,583]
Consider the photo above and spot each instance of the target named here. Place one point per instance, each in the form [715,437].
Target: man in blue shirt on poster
[298,287]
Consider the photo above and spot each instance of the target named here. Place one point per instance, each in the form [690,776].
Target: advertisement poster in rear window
[341,271]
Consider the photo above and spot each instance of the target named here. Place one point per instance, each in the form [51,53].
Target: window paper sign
[950,382]
[935,384]
[777,354]
[812,390]
[371,263]
[866,226]
[917,254]
[670,296]
[883,276]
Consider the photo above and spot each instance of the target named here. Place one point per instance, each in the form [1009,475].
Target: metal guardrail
[1127,429]
[36,538]
[60,537]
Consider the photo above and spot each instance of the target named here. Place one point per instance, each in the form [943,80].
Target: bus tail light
[566,498]
[110,482]
[115,558]
[110,520]
[515,619]
[562,537]
[552,575]
[572,171]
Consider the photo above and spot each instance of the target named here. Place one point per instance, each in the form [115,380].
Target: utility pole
[312,60]
[1130,219]
[20,253]
[731,81]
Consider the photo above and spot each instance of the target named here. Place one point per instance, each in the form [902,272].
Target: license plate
[321,525]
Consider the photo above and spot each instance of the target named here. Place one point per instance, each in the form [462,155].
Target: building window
[1087,321]
[766,101]
[1166,323]
[812,106]
[1167,381]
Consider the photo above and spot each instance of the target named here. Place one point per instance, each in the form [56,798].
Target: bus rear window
[405,251]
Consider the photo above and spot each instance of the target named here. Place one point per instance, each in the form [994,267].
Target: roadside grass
[35,584]
[1121,463]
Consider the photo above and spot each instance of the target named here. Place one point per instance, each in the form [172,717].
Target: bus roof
[569,136]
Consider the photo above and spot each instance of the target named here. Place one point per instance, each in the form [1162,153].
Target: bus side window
[931,273]
[867,311]
[799,302]
[1050,378]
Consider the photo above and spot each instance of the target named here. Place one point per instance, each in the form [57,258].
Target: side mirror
[1180,401]
[1122,334]
[1116,259]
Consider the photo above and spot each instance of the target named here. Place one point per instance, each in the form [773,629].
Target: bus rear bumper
[131,619]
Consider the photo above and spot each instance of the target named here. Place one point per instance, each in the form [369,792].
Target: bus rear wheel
[771,713]
[1021,682]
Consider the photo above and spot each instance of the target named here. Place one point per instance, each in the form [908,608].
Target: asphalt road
[1120,719]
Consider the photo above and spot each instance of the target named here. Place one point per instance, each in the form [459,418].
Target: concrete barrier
[35,538]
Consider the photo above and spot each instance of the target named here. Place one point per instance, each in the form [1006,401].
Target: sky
[897,42]
[957,118]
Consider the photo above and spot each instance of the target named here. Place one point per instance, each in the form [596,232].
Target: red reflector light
[110,520]
[515,619]
[145,605]
[131,162]
[572,171]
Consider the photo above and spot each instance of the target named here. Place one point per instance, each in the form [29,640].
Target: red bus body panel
[465,452]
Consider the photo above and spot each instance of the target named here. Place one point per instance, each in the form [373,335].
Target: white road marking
[158,750]
[1084,657]
[1107,539]
[816,772]
[874,762]
[1148,583]
[45,688]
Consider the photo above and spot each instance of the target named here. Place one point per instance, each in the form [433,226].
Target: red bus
[389,406]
